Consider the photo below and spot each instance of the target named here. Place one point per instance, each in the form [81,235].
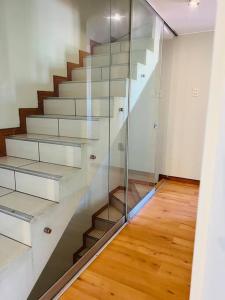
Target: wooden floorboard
[152,257]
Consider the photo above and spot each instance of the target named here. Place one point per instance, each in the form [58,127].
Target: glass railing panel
[145,66]
[119,88]
[116,91]
[84,218]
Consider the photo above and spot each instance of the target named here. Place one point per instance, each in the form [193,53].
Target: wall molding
[41,95]
[179,179]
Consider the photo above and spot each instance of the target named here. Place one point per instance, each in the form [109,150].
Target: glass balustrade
[145,70]
[115,94]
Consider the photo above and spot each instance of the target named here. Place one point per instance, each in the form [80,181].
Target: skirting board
[179,179]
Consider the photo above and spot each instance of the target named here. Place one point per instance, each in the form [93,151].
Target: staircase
[107,216]
[48,170]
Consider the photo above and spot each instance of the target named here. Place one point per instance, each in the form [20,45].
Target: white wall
[37,37]
[209,255]
[144,107]
[186,65]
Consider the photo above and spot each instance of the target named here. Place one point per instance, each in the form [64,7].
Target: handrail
[167,25]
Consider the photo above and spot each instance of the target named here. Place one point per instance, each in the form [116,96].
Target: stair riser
[116,59]
[33,185]
[63,127]
[102,224]
[15,228]
[60,107]
[118,204]
[137,44]
[22,149]
[38,186]
[89,242]
[63,155]
[95,74]
[95,108]
[82,108]
[114,48]
[87,74]
[79,129]
[7,179]
[43,126]
[118,88]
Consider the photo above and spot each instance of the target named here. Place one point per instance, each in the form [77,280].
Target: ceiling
[185,20]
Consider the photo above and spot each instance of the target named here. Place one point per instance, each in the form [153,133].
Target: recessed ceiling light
[194,3]
[115,17]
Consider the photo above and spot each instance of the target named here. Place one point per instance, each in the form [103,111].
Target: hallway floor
[152,257]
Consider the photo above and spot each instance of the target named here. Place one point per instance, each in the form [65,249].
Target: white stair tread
[36,168]
[114,54]
[78,98]
[63,117]
[49,139]
[15,162]
[117,54]
[93,68]
[111,214]
[93,81]
[4,191]
[10,250]
[137,40]
[96,233]
[52,169]
[26,204]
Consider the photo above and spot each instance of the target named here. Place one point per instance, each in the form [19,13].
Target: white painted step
[10,251]
[124,46]
[83,108]
[66,106]
[67,126]
[95,107]
[17,213]
[7,176]
[87,74]
[103,73]
[102,60]
[34,178]
[113,48]
[67,151]
[94,89]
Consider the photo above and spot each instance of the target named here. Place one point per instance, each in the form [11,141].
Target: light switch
[195,92]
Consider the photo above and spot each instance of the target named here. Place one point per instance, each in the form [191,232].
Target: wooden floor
[152,257]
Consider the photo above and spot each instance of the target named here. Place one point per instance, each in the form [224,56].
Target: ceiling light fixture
[194,3]
[115,17]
